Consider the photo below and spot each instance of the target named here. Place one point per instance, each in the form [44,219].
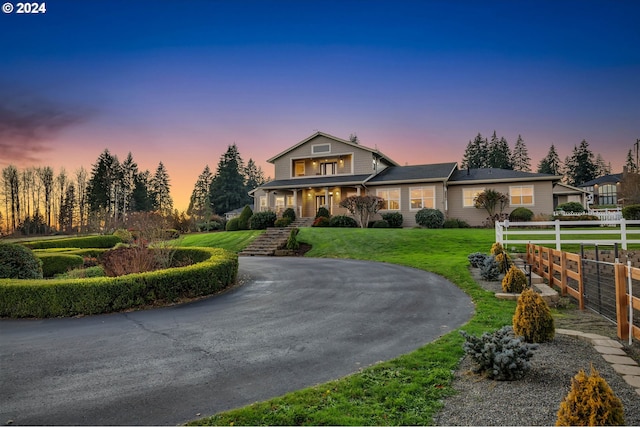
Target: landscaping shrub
[631,212]
[570,207]
[477,259]
[430,218]
[533,320]
[342,221]
[262,220]
[504,261]
[489,269]
[455,223]
[292,241]
[282,222]
[501,355]
[244,218]
[590,402]
[514,281]
[381,223]
[289,213]
[75,242]
[124,235]
[82,273]
[321,221]
[323,212]
[394,219]
[583,217]
[19,262]
[496,249]
[57,263]
[134,259]
[521,215]
[233,225]
[70,297]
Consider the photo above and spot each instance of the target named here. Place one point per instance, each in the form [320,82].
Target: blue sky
[179,81]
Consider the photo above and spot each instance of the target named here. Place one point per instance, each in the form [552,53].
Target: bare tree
[363,207]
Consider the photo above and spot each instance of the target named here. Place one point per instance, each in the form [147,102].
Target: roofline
[571,187]
[502,180]
[406,181]
[344,141]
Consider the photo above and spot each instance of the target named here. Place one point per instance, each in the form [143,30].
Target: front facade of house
[321,170]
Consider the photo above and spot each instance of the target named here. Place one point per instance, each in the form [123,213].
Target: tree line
[580,167]
[36,200]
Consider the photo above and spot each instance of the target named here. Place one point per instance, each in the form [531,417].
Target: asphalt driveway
[294,322]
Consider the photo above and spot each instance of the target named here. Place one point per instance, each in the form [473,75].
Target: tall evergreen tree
[101,183]
[67,208]
[520,160]
[476,154]
[81,182]
[129,173]
[200,203]
[254,177]
[602,168]
[581,166]
[160,190]
[142,198]
[630,163]
[228,189]
[551,163]
[499,153]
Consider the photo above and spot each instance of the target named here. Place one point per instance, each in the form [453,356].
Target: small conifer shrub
[501,355]
[533,320]
[590,402]
[489,269]
[292,241]
[514,281]
[496,249]
[19,262]
[504,262]
[476,259]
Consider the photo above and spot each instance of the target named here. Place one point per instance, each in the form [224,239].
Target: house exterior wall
[542,200]
[409,214]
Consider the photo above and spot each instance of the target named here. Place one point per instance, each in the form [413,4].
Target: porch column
[358,191]
[295,201]
[326,199]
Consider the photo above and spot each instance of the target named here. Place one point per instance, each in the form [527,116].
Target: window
[279,202]
[328,168]
[391,198]
[289,200]
[521,195]
[263,203]
[607,194]
[469,195]
[299,171]
[321,148]
[422,197]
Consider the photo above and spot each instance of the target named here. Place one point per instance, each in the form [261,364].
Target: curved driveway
[294,323]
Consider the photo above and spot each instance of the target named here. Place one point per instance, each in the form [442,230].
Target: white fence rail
[546,232]
[603,214]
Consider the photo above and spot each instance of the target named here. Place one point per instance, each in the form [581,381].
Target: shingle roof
[494,174]
[605,179]
[417,173]
[321,181]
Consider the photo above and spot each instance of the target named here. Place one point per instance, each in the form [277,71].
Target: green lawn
[406,390]
[233,241]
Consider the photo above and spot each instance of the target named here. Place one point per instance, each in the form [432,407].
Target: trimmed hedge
[57,263]
[216,270]
[75,242]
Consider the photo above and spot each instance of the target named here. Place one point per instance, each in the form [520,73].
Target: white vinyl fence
[557,232]
[603,214]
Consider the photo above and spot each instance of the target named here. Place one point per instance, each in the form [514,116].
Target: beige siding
[542,195]
[408,214]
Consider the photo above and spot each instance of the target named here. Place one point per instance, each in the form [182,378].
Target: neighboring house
[321,170]
[564,193]
[604,190]
[235,213]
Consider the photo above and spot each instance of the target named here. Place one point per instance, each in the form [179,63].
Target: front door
[321,201]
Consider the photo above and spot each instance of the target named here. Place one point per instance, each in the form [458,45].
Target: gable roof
[326,135]
[605,179]
[562,188]
[493,175]
[417,173]
[324,181]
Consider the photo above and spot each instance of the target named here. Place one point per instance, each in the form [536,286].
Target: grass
[406,390]
[233,241]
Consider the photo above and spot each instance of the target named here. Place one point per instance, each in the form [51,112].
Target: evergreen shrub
[455,223]
[244,217]
[321,221]
[19,262]
[262,220]
[233,224]
[631,212]
[342,221]
[570,207]
[489,269]
[514,281]
[476,259]
[430,218]
[104,242]
[323,212]
[58,263]
[590,402]
[394,219]
[501,355]
[289,213]
[292,241]
[521,214]
[381,223]
[124,235]
[504,261]
[282,222]
[533,320]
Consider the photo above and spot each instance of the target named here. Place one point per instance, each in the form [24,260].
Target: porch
[306,201]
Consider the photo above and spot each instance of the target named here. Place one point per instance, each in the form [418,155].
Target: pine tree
[551,163]
[142,197]
[162,200]
[254,177]
[630,163]
[129,172]
[228,189]
[602,168]
[520,160]
[499,153]
[581,167]
[200,203]
[101,182]
[476,154]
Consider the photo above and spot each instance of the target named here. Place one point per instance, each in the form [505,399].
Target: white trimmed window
[521,195]
[469,196]
[391,198]
[422,197]
[263,203]
[299,168]
[320,148]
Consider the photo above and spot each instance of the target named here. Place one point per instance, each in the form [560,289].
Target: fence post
[563,273]
[498,232]
[558,245]
[621,301]
[623,233]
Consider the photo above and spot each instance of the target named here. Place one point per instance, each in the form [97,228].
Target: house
[604,190]
[235,213]
[322,169]
[565,193]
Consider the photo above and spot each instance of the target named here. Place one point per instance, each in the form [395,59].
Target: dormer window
[321,148]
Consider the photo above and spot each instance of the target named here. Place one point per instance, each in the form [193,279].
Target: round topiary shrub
[503,260]
[321,221]
[290,214]
[282,222]
[262,220]
[232,225]
[342,221]
[514,281]
[590,402]
[533,320]
[19,262]
[244,218]
[394,219]
[430,218]
[381,223]
[631,212]
[521,215]
[323,212]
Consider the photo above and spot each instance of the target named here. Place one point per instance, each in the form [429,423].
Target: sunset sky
[179,81]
